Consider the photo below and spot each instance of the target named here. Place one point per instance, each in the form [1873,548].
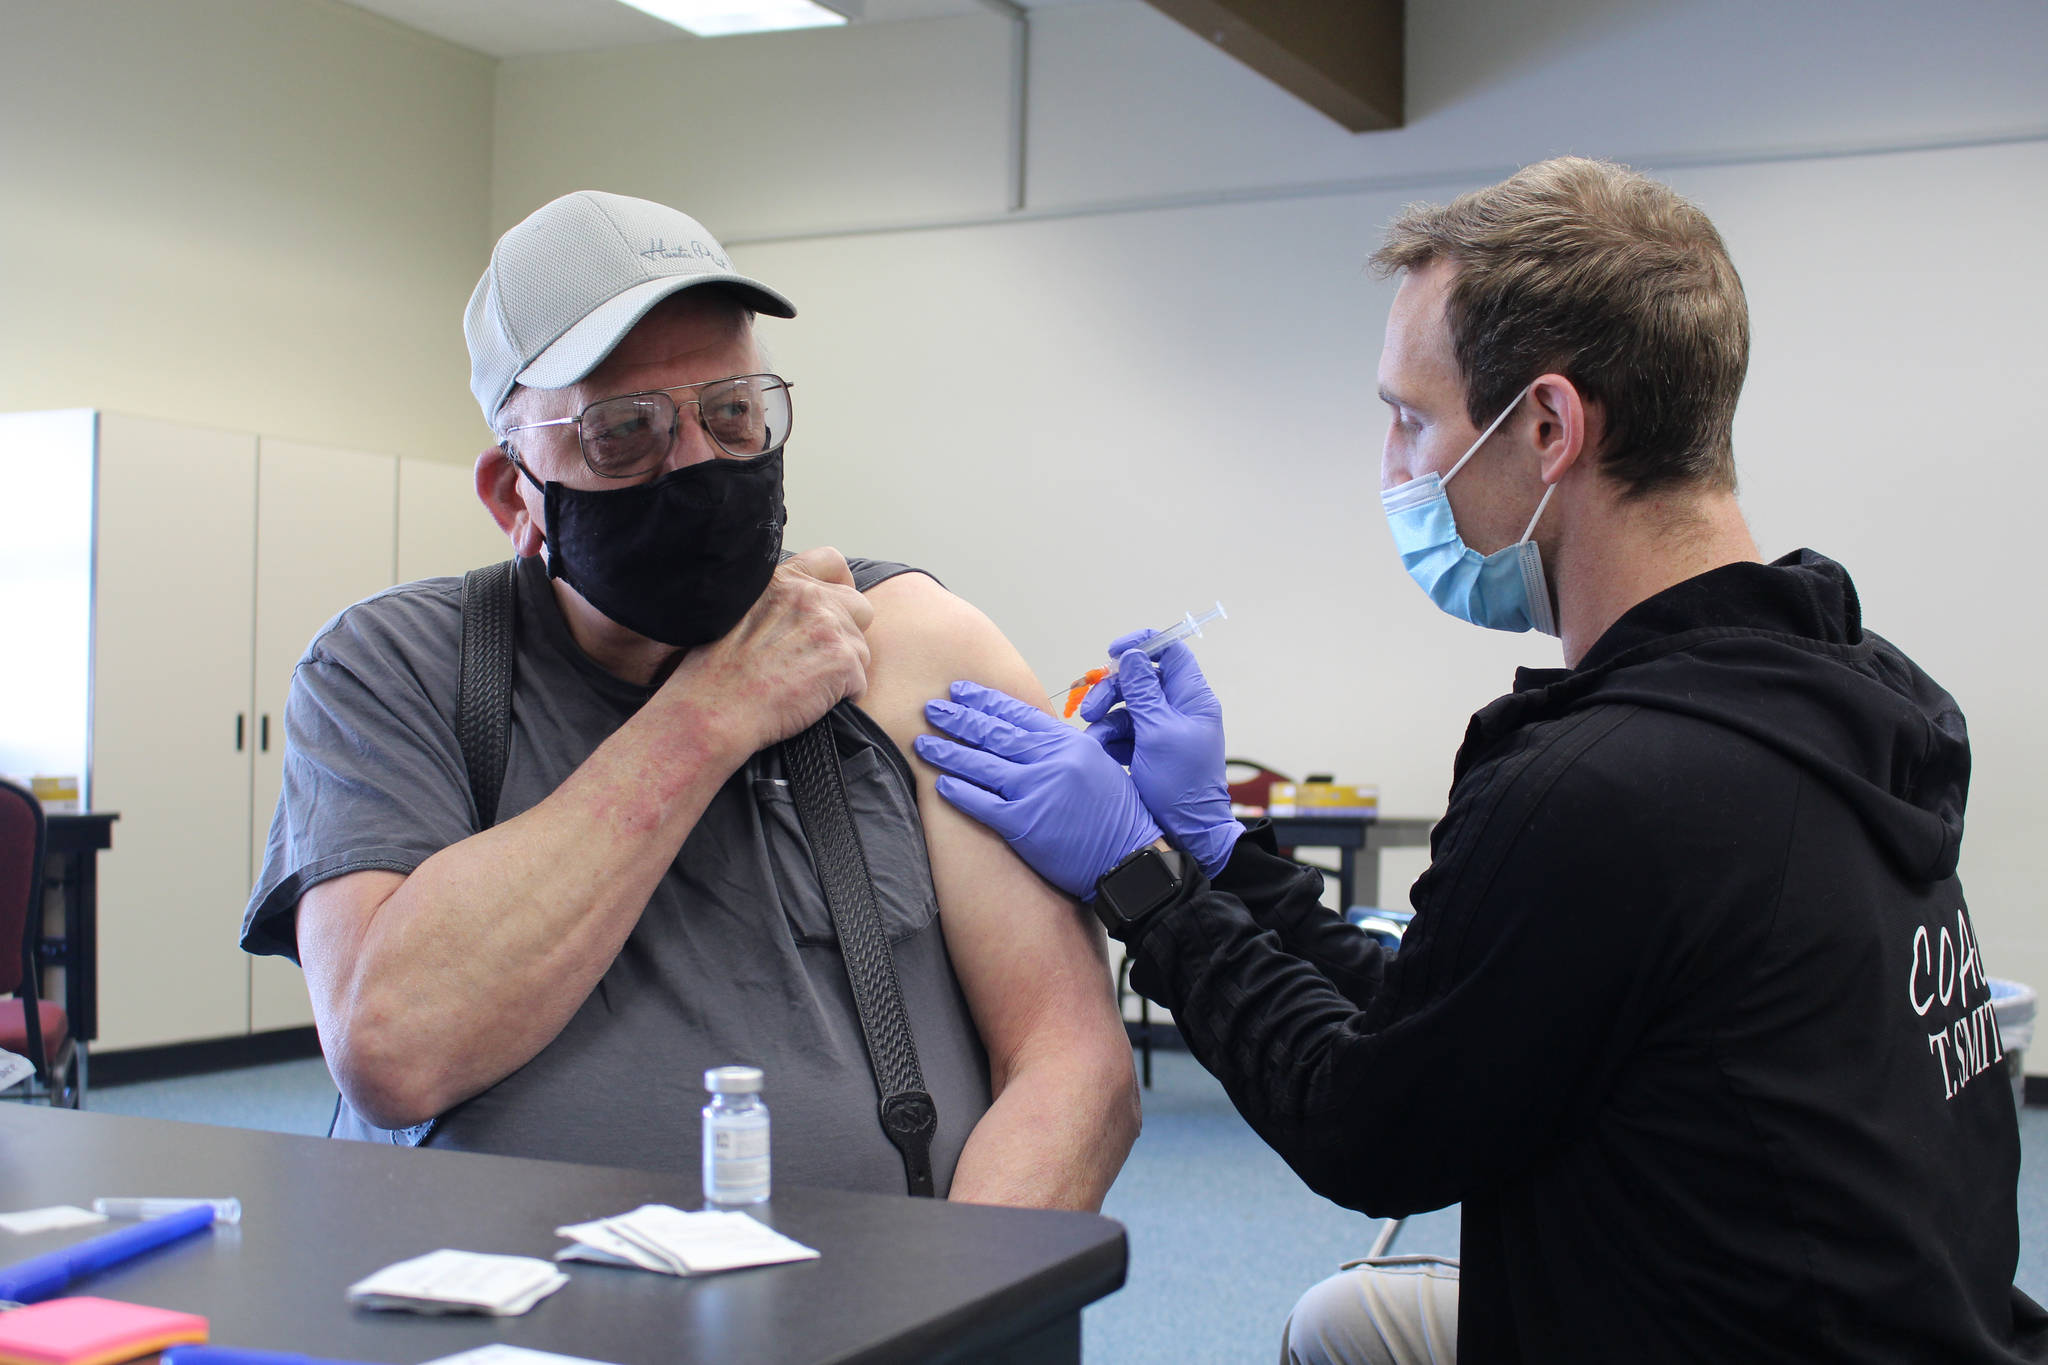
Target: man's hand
[1060,802]
[1169,731]
[798,652]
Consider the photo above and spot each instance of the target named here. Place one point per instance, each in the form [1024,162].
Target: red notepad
[86,1331]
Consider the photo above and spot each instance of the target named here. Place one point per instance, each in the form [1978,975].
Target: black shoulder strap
[483,706]
[818,788]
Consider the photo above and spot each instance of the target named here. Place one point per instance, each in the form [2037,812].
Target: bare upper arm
[1031,963]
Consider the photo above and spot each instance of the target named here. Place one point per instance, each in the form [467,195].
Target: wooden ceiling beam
[1344,57]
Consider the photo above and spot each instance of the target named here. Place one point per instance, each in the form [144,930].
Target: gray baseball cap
[567,284]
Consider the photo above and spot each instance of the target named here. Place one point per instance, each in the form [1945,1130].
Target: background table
[73,845]
[1358,842]
[899,1280]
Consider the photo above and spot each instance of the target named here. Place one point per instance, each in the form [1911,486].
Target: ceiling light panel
[716,18]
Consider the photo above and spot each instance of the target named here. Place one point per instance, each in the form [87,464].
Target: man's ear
[497,487]
[1565,425]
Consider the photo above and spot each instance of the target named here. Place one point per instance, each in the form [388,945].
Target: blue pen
[40,1277]
[234,1355]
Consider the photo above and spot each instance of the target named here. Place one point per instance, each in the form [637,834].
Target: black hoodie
[1691,1016]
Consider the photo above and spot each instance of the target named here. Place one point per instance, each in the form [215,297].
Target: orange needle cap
[1080,689]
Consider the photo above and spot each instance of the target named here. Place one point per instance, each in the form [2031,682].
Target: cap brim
[579,350]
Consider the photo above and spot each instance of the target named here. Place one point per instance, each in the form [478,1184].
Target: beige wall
[257,214]
[785,132]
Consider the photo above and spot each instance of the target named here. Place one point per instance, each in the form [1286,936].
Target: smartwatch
[1129,892]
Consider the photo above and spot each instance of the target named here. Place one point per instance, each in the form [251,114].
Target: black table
[899,1280]
[1358,842]
[72,844]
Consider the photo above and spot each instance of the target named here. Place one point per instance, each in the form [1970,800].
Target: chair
[30,1026]
[1254,787]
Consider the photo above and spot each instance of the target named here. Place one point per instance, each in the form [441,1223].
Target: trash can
[2012,1005]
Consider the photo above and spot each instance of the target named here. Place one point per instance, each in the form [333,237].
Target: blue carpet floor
[1223,1237]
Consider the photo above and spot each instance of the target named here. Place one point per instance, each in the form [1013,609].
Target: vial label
[749,1145]
[736,1164]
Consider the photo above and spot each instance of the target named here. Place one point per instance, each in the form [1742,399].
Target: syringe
[1189,624]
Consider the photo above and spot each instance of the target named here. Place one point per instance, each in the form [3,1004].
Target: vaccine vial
[735,1137]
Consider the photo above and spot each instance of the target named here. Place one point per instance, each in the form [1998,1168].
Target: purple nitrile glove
[1170,733]
[1050,791]
[1108,693]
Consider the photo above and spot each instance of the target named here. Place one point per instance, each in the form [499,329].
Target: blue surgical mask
[1505,590]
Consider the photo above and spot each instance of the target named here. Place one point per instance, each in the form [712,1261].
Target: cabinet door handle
[239,720]
[264,742]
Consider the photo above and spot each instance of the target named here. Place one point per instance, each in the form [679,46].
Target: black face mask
[680,559]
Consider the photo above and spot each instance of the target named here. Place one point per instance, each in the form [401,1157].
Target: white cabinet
[326,536]
[213,557]
[174,574]
[330,525]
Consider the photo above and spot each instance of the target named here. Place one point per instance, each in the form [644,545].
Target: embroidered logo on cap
[660,250]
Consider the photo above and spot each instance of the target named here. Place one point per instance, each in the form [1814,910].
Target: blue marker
[40,1277]
[233,1355]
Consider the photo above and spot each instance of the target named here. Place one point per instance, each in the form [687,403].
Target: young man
[1691,1016]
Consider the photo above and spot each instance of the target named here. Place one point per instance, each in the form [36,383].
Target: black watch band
[1128,893]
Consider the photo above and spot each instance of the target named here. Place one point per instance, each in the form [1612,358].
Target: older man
[1691,1016]
[646,905]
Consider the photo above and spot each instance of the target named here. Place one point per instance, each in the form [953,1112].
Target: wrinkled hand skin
[798,652]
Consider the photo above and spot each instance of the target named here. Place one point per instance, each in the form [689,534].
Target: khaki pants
[1394,1310]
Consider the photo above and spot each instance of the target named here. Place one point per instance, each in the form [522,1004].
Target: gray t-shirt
[733,961]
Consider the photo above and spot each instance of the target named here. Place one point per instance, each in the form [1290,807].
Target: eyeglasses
[633,433]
